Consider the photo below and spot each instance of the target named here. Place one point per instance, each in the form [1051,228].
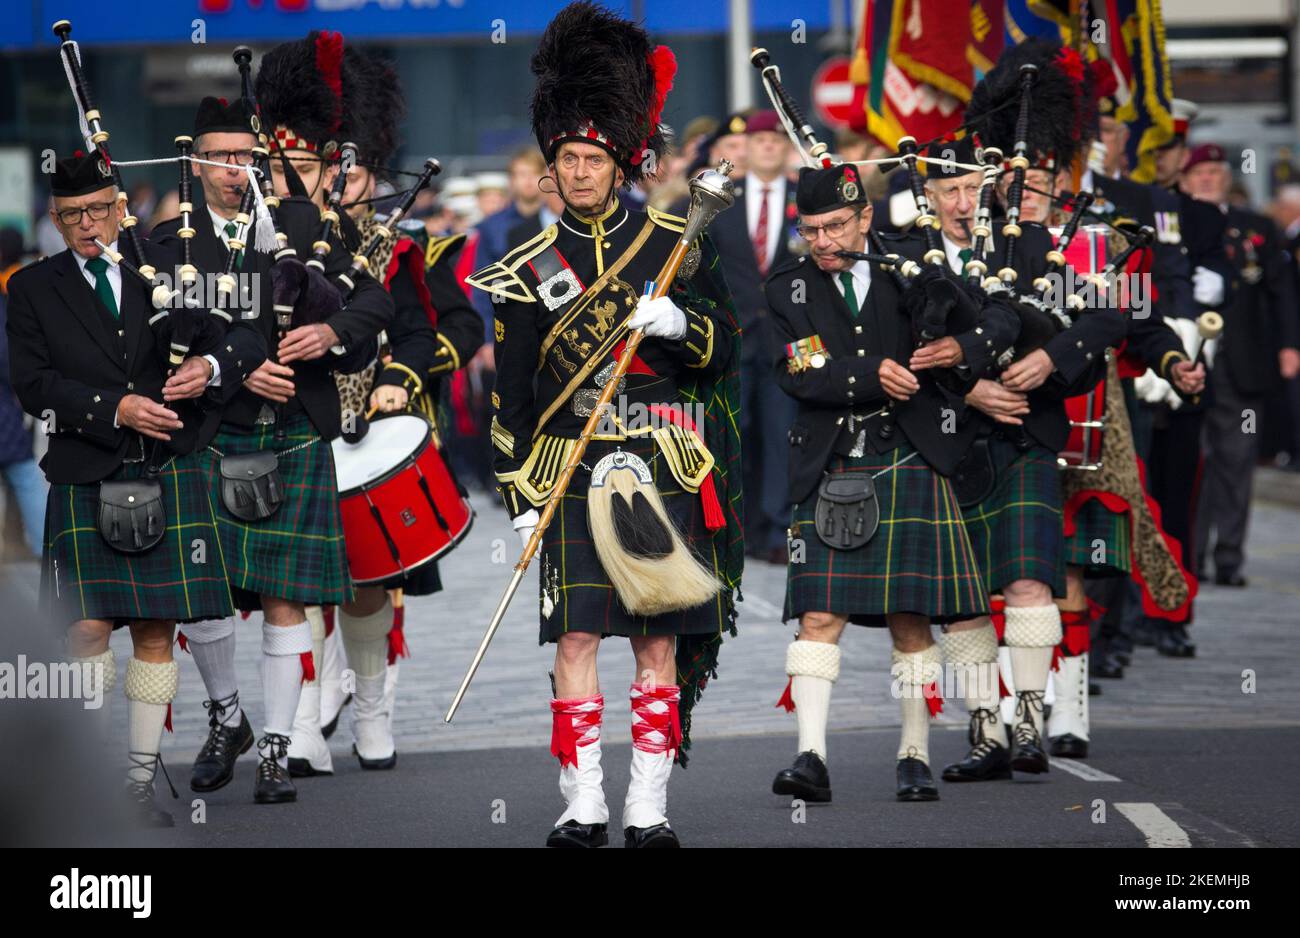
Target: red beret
[1205,153]
[763,120]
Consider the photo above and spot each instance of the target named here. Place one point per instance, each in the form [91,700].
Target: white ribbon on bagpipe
[263,227]
[81,117]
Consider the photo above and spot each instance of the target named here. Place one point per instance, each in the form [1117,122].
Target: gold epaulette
[439,248]
[502,278]
[665,220]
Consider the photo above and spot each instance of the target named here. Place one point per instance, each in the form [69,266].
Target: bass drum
[401,506]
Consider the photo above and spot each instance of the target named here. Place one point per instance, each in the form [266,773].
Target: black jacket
[69,356]
[1171,270]
[369,311]
[1261,318]
[418,347]
[1078,352]
[729,232]
[804,302]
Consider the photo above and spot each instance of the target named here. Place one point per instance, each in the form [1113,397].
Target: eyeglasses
[238,157]
[833,229]
[97,211]
[972,191]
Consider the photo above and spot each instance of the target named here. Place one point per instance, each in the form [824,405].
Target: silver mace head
[712,191]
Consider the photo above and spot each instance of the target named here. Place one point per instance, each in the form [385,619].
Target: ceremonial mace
[711,193]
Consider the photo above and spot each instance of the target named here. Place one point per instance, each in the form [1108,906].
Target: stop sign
[832,93]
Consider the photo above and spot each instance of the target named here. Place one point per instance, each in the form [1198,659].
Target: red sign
[832,93]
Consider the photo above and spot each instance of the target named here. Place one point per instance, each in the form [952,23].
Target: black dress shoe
[376,764]
[144,811]
[1069,746]
[806,779]
[987,760]
[1123,658]
[574,835]
[1094,689]
[1105,666]
[1027,753]
[1174,643]
[646,838]
[215,765]
[915,783]
[273,785]
[1229,578]
[1144,635]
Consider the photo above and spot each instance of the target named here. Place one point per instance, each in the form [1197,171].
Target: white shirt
[219,226]
[861,273]
[953,252]
[113,272]
[775,209]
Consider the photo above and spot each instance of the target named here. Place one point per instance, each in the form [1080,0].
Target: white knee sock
[212,646]
[150,688]
[1031,634]
[912,671]
[316,619]
[973,656]
[98,678]
[282,648]
[365,638]
[814,668]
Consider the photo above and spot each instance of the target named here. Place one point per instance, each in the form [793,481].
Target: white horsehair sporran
[646,558]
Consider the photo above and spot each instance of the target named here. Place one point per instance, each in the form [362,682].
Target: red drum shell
[406,511]
[1087,253]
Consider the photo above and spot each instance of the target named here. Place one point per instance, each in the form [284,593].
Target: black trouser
[1173,478]
[766,415]
[1231,451]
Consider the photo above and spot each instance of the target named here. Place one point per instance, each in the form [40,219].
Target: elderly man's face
[74,216]
[955,199]
[1035,200]
[844,229]
[1209,181]
[586,176]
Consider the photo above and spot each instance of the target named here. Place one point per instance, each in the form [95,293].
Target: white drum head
[389,442]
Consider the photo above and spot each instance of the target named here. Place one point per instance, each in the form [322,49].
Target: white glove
[526,524]
[1207,287]
[659,318]
[1153,389]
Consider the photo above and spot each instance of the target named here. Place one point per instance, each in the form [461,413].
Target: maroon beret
[1205,153]
[763,120]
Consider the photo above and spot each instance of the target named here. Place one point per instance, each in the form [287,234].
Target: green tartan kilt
[298,553]
[584,599]
[1017,531]
[181,578]
[1094,523]
[918,561]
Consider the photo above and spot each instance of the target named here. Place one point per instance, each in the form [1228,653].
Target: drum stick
[1209,325]
[371,412]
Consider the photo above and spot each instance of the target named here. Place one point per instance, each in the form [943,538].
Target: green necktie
[850,297]
[964,255]
[98,266]
[231,228]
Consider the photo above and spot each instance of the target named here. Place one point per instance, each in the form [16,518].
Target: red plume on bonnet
[329,62]
[1104,81]
[663,65]
[663,68]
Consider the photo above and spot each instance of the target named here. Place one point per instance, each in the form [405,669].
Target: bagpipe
[177,326]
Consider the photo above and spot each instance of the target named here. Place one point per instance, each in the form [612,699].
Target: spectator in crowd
[16,461]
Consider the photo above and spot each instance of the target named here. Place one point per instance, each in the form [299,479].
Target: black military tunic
[561,304]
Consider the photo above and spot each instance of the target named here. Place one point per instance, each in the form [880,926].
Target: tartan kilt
[919,560]
[1094,522]
[584,598]
[1017,531]
[297,553]
[83,578]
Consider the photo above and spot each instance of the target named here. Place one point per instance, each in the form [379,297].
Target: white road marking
[1083,770]
[1157,827]
[761,607]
